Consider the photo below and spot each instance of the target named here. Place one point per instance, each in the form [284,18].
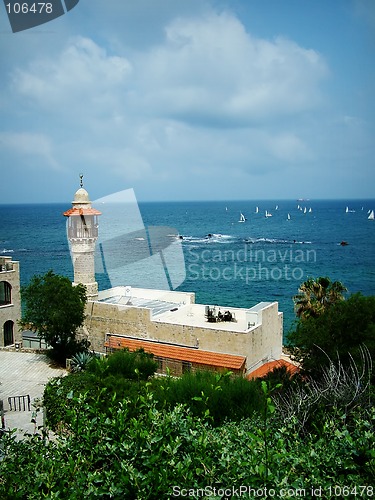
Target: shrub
[137,365]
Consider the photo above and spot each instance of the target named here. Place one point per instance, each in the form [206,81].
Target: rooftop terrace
[179,308]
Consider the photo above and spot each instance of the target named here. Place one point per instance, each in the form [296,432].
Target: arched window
[5,293]
[8,333]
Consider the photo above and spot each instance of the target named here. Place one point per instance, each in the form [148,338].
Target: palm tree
[316,295]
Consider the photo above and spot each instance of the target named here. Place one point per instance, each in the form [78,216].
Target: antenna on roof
[81,179]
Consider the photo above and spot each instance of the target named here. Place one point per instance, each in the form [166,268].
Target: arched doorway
[8,333]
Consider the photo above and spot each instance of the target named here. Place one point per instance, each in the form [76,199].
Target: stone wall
[259,344]
[10,272]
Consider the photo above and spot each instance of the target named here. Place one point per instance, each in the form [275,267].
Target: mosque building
[181,334]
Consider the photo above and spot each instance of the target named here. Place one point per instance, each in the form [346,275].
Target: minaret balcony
[82,232]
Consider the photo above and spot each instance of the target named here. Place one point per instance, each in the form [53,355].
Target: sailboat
[288,216]
[371,216]
[242,217]
[268,214]
[304,210]
[310,210]
[256,210]
[347,210]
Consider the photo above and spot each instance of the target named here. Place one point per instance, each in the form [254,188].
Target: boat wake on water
[209,238]
[226,238]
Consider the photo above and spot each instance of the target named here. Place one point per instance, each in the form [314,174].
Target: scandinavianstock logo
[127,252]
[27,14]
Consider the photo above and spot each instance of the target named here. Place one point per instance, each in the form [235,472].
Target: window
[160,364]
[5,293]
[186,367]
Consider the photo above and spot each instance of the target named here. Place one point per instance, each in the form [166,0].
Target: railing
[83,232]
[23,403]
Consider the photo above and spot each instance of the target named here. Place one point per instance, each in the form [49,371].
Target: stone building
[181,334]
[10,301]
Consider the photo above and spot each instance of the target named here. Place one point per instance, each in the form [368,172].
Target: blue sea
[227,262]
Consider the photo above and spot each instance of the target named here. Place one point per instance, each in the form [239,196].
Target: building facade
[10,302]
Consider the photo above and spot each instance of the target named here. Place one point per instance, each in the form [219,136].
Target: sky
[190,100]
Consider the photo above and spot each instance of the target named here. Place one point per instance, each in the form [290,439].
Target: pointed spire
[81,180]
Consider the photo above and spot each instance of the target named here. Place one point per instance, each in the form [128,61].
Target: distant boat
[304,210]
[277,207]
[347,210]
[288,216]
[310,210]
[257,210]
[268,214]
[242,217]
[371,216]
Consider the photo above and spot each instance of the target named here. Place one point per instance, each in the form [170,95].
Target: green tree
[315,295]
[338,333]
[54,308]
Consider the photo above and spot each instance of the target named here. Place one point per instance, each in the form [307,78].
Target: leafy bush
[158,453]
[340,330]
[137,365]
[220,396]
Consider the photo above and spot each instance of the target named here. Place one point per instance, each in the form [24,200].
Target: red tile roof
[169,351]
[81,211]
[271,365]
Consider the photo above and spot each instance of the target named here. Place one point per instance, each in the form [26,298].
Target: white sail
[304,210]
[242,217]
[371,216]
[268,214]
[256,210]
[288,216]
[310,210]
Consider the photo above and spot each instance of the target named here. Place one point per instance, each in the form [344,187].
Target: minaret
[82,233]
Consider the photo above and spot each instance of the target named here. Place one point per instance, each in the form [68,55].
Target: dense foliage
[158,453]
[337,333]
[122,434]
[219,397]
[54,308]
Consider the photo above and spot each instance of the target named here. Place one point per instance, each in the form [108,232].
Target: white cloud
[212,69]
[82,77]
[27,144]
[209,99]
